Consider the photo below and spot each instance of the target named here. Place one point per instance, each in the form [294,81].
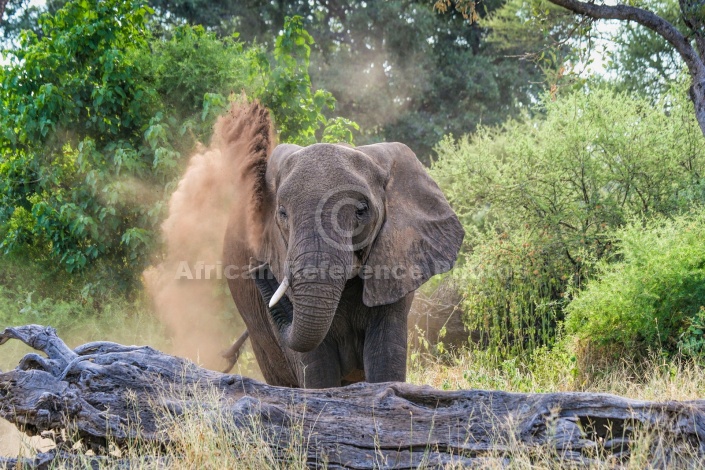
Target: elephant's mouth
[283,311]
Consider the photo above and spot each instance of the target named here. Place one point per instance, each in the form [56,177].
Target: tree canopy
[397,68]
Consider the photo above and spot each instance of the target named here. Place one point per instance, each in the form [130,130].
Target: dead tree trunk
[100,390]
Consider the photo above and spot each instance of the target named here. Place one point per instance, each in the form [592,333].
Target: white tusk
[279,293]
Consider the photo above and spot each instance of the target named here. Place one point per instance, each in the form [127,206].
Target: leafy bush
[512,285]
[540,197]
[653,296]
[97,118]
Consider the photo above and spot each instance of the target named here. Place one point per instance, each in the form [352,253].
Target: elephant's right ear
[280,154]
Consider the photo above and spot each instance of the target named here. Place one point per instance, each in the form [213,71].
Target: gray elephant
[337,239]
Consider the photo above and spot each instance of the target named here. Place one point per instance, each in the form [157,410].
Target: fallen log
[103,393]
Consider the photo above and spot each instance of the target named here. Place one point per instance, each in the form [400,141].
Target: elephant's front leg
[384,353]
[319,368]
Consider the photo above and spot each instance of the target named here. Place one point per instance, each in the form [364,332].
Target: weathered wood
[102,389]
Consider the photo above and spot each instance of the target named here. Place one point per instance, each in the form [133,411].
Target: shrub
[540,197]
[512,284]
[653,296]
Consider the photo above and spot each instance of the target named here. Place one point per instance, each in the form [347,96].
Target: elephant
[333,241]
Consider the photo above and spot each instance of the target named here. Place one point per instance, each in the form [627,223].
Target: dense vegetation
[99,116]
[581,196]
[545,201]
[398,68]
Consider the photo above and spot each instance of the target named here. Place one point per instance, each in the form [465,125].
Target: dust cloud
[376,88]
[223,179]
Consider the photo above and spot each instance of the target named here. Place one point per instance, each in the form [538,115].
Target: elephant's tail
[233,352]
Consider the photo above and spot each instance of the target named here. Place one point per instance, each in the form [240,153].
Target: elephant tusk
[279,293]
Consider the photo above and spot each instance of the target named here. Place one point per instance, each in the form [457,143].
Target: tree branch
[666,30]
[645,18]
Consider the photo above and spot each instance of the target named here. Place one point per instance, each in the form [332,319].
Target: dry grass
[204,436]
[652,379]
[655,378]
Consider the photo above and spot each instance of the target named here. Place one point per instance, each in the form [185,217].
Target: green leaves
[652,295]
[540,199]
[299,112]
[79,111]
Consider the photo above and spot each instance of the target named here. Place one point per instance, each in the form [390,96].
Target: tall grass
[656,377]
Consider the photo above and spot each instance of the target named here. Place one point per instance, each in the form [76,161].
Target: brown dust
[221,181]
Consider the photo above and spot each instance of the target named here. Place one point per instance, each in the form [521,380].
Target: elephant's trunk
[317,282]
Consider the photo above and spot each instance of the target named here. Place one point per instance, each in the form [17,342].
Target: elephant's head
[331,212]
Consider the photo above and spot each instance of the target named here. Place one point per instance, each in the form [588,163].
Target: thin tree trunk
[3,3]
[670,33]
[105,392]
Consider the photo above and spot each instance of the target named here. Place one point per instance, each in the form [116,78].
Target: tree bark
[96,390]
[670,33]
[3,3]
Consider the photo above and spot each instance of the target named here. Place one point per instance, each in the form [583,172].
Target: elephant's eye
[362,209]
[282,213]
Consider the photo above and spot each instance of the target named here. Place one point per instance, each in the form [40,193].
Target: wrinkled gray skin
[332,215]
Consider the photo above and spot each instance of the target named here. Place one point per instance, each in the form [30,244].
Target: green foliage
[287,89]
[192,69]
[653,296]
[22,15]
[98,117]
[539,199]
[534,30]
[402,70]
[72,110]
[512,284]
[692,341]
[407,73]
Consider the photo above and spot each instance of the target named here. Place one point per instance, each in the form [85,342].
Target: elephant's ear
[420,235]
[272,245]
[280,155]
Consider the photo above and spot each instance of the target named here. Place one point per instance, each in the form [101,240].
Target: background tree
[690,45]
[400,70]
[541,197]
[18,15]
[643,61]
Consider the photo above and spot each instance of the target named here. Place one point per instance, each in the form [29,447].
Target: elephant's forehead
[328,165]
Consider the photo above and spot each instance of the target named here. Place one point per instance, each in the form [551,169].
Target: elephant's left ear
[420,235]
